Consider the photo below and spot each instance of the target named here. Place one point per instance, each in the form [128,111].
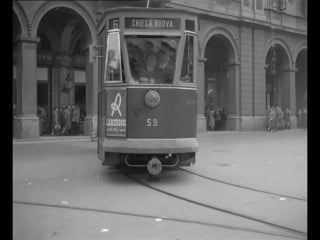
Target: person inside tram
[166,64]
[113,65]
[148,50]
[135,60]
[152,74]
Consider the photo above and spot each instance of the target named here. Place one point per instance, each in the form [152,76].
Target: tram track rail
[178,220]
[301,234]
[241,186]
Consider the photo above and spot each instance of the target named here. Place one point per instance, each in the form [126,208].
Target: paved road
[61,191]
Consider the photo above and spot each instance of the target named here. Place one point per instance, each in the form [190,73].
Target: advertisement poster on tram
[116,125]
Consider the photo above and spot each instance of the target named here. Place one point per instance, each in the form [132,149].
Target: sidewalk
[52,139]
[205,134]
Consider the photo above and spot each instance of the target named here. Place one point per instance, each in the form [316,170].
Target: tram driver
[152,74]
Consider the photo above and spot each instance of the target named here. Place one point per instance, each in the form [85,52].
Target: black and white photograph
[160,120]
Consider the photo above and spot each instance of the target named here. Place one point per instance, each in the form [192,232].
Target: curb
[53,139]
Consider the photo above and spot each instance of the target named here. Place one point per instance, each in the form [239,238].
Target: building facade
[252,54]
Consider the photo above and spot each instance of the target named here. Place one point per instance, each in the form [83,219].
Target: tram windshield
[152,59]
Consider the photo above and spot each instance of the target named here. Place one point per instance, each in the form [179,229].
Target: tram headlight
[152,98]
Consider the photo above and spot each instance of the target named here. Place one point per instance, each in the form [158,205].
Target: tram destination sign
[152,23]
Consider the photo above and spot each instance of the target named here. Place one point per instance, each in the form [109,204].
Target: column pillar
[90,124]
[201,94]
[26,122]
[289,93]
[233,92]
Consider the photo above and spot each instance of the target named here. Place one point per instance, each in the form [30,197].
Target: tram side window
[187,63]
[152,60]
[113,56]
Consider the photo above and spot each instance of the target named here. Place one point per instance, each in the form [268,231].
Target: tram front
[147,93]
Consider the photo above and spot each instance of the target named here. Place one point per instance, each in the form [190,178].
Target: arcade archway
[61,72]
[277,77]
[301,79]
[220,77]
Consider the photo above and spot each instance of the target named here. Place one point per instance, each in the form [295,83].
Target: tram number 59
[152,122]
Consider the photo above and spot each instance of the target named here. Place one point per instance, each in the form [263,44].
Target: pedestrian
[211,118]
[217,118]
[61,117]
[267,118]
[41,115]
[67,121]
[209,107]
[286,119]
[279,118]
[75,118]
[272,116]
[304,118]
[299,117]
[56,122]
[223,119]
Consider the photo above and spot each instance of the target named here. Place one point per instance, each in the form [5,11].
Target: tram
[147,90]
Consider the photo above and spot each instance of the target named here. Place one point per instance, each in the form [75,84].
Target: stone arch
[283,44]
[52,37]
[301,76]
[73,5]
[79,36]
[212,31]
[22,17]
[220,71]
[66,36]
[66,69]
[299,48]
[277,78]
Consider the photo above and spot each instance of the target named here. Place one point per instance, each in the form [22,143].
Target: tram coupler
[154,163]
[154,166]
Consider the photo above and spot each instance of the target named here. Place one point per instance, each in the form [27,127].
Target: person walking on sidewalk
[267,118]
[286,119]
[304,118]
[217,118]
[67,120]
[223,119]
[56,122]
[211,120]
[75,118]
[272,116]
[299,117]
[279,118]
